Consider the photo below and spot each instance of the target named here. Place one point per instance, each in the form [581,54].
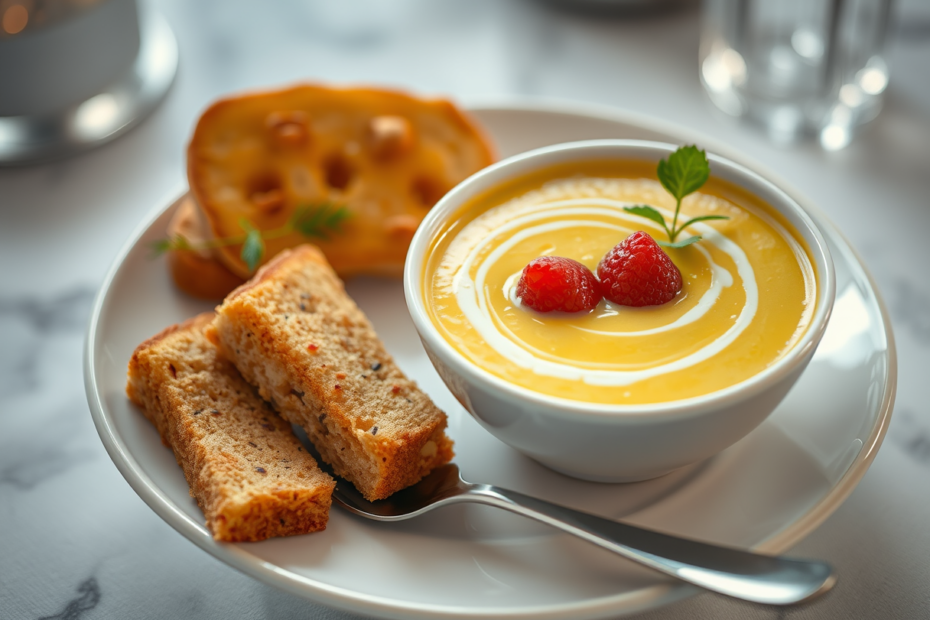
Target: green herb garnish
[314,221]
[683,173]
[253,248]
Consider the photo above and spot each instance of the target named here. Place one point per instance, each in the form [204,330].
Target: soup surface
[748,295]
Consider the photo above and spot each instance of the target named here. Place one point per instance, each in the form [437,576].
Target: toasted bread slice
[294,333]
[246,469]
[197,273]
[386,156]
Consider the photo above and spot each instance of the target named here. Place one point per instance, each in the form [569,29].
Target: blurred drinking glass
[797,67]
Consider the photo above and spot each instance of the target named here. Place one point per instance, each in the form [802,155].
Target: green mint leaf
[310,224]
[684,172]
[316,221]
[703,218]
[301,216]
[334,220]
[680,244]
[649,213]
[252,249]
[160,246]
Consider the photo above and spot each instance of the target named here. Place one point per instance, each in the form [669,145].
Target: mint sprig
[684,172]
[316,221]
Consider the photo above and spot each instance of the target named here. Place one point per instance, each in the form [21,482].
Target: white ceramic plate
[764,493]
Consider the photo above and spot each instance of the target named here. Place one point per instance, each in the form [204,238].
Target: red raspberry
[638,273]
[554,283]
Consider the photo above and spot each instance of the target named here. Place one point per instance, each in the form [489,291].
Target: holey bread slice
[246,469]
[385,156]
[294,333]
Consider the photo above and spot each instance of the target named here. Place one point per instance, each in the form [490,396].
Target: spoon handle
[733,572]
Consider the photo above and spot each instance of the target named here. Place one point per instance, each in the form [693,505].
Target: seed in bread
[381,154]
[294,333]
[246,469]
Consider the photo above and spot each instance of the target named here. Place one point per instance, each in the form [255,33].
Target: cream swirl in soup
[747,297]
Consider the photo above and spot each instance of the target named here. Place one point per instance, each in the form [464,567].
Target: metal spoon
[733,572]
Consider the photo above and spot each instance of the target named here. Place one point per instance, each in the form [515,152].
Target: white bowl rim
[731,395]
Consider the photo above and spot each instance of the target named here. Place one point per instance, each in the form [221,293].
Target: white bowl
[603,442]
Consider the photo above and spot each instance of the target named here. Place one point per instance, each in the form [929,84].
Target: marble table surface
[75,540]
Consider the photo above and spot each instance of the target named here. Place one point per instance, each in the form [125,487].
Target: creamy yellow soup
[748,290]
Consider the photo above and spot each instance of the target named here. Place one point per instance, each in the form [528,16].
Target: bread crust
[247,471]
[197,273]
[294,333]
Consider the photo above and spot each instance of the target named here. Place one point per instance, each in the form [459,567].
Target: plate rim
[354,601]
